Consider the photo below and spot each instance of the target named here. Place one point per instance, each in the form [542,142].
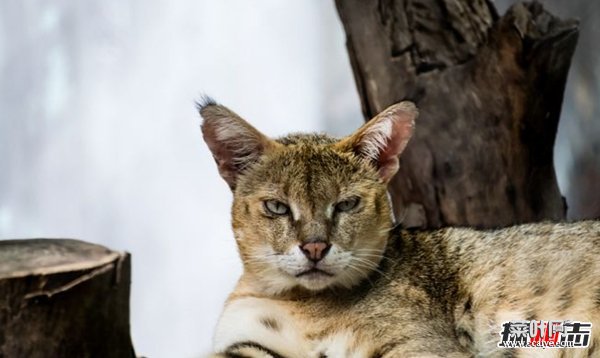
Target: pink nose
[315,250]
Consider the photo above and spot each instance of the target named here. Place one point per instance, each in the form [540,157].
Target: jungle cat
[326,274]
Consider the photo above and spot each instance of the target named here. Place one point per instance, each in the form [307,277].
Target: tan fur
[390,293]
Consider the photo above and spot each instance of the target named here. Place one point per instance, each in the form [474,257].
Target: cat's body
[440,293]
[326,276]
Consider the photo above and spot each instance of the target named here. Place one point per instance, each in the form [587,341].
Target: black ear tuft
[205,101]
[234,143]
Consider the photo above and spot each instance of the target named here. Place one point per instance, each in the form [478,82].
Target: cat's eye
[348,204]
[275,207]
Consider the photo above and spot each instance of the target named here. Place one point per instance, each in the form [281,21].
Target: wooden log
[63,298]
[489,90]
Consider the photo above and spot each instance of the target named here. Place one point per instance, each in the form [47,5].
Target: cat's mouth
[314,272]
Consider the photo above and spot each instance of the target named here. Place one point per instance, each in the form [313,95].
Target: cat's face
[309,211]
[310,215]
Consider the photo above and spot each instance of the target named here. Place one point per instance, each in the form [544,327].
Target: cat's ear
[234,143]
[382,139]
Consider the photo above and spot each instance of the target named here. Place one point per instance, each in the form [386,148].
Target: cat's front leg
[247,350]
[432,345]
[401,352]
[259,327]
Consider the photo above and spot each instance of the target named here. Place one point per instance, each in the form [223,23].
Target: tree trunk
[489,91]
[63,298]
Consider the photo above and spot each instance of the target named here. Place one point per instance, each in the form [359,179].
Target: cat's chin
[316,281]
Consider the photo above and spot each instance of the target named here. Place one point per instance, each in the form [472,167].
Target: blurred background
[99,138]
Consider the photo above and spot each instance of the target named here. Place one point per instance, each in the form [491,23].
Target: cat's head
[309,210]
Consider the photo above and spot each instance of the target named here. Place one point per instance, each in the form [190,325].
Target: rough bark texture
[63,298]
[489,91]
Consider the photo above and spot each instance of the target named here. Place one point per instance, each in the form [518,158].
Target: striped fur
[380,291]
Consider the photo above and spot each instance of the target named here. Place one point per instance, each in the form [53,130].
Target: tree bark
[63,298]
[489,91]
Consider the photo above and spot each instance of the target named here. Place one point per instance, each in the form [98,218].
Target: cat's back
[468,283]
[533,272]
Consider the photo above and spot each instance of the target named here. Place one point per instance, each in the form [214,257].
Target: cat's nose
[315,249]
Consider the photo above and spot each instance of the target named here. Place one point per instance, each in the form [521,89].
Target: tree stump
[63,298]
[489,90]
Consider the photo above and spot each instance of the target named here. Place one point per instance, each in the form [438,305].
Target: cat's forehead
[309,166]
[307,139]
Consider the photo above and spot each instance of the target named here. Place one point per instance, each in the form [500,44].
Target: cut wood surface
[63,298]
[489,90]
